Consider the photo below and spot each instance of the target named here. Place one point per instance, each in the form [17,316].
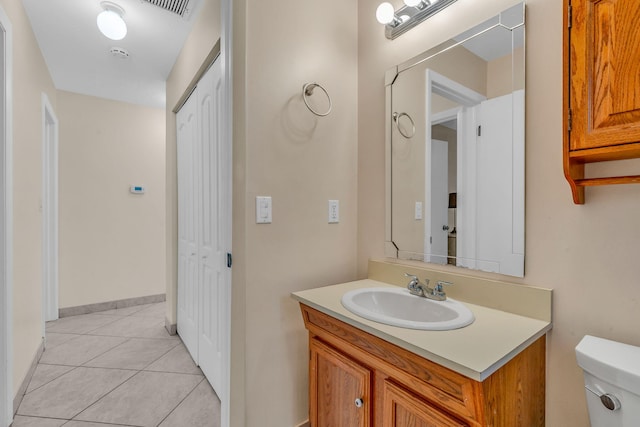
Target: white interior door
[497,147]
[438,201]
[204,278]
[49,211]
[188,302]
[212,248]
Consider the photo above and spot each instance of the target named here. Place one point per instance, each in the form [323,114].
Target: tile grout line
[73,368]
[84,365]
[100,422]
[105,352]
[104,395]
[163,355]
[22,415]
[180,403]
[90,333]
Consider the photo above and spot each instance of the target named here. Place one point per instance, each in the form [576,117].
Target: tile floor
[117,368]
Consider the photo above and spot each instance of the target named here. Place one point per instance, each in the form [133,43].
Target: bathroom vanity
[364,373]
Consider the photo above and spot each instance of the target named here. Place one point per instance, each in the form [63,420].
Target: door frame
[226,129]
[226,56]
[50,146]
[6,221]
[436,83]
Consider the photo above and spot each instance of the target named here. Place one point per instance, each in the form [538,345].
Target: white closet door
[204,280]
[212,247]
[188,295]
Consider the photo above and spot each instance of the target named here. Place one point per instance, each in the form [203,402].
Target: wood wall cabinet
[357,379]
[602,88]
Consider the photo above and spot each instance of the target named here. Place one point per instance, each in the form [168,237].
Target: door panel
[212,247]
[404,409]
[605,89]
[496,222]
[187,244]
[343,381]
[438,201]
[204,278]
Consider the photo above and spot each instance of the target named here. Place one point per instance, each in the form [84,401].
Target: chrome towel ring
[307,90]
[396,120]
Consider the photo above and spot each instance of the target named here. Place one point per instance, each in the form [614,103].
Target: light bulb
[112,25]
[385,13]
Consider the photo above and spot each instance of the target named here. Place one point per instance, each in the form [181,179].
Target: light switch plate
[263,210]
[418,214]
[334,211]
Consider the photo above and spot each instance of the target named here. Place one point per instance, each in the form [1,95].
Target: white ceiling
[78,55]
[498,41]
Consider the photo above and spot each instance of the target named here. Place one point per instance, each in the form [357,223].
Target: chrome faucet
[423,290]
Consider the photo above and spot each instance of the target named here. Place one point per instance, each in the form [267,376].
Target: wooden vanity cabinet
[357,379]
[340,388]
[602,88]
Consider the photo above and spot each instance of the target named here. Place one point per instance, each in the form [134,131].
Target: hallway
[117,368]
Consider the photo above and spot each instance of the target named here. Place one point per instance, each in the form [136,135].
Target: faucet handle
[440,284]
[414,279]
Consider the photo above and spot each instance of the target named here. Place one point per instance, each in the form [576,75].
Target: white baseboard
[110,305]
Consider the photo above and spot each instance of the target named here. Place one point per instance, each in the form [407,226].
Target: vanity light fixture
[408,16]
[110,21]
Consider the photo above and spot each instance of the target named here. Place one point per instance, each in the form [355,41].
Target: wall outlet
[334,211]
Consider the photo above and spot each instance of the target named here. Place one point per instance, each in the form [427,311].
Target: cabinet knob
[359,402]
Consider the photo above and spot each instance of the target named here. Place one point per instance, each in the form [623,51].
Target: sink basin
[397,307]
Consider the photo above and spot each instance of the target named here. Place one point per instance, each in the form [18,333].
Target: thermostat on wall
[137,189]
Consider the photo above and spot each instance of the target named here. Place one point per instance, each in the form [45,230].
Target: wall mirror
[455,150]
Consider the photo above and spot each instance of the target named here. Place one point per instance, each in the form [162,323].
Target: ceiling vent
[179,7]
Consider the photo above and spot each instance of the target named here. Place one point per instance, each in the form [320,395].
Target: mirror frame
[390,248]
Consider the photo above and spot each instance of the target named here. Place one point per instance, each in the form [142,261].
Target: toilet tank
[612,381]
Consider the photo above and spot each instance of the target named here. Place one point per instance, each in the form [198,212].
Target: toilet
[611,381]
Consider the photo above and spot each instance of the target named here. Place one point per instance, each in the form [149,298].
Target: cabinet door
[340,389]
[404,409]
[605,74]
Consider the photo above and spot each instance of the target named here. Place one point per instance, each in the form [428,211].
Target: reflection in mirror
[456,150]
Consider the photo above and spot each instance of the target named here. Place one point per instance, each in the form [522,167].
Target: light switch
[418,214]
[334,211]
[263,210]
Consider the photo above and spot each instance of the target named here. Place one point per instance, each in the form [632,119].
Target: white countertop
[475,351]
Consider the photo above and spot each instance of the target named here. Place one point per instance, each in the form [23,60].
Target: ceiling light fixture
[408,16]
[110,21]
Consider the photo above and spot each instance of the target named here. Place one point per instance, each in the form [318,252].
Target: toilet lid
[611,361]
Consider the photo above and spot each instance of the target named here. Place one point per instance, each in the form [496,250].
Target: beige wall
[112,242]
[302,161]
[587,254]
[408,182]
[203,37]
[506,74]
[30,80]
